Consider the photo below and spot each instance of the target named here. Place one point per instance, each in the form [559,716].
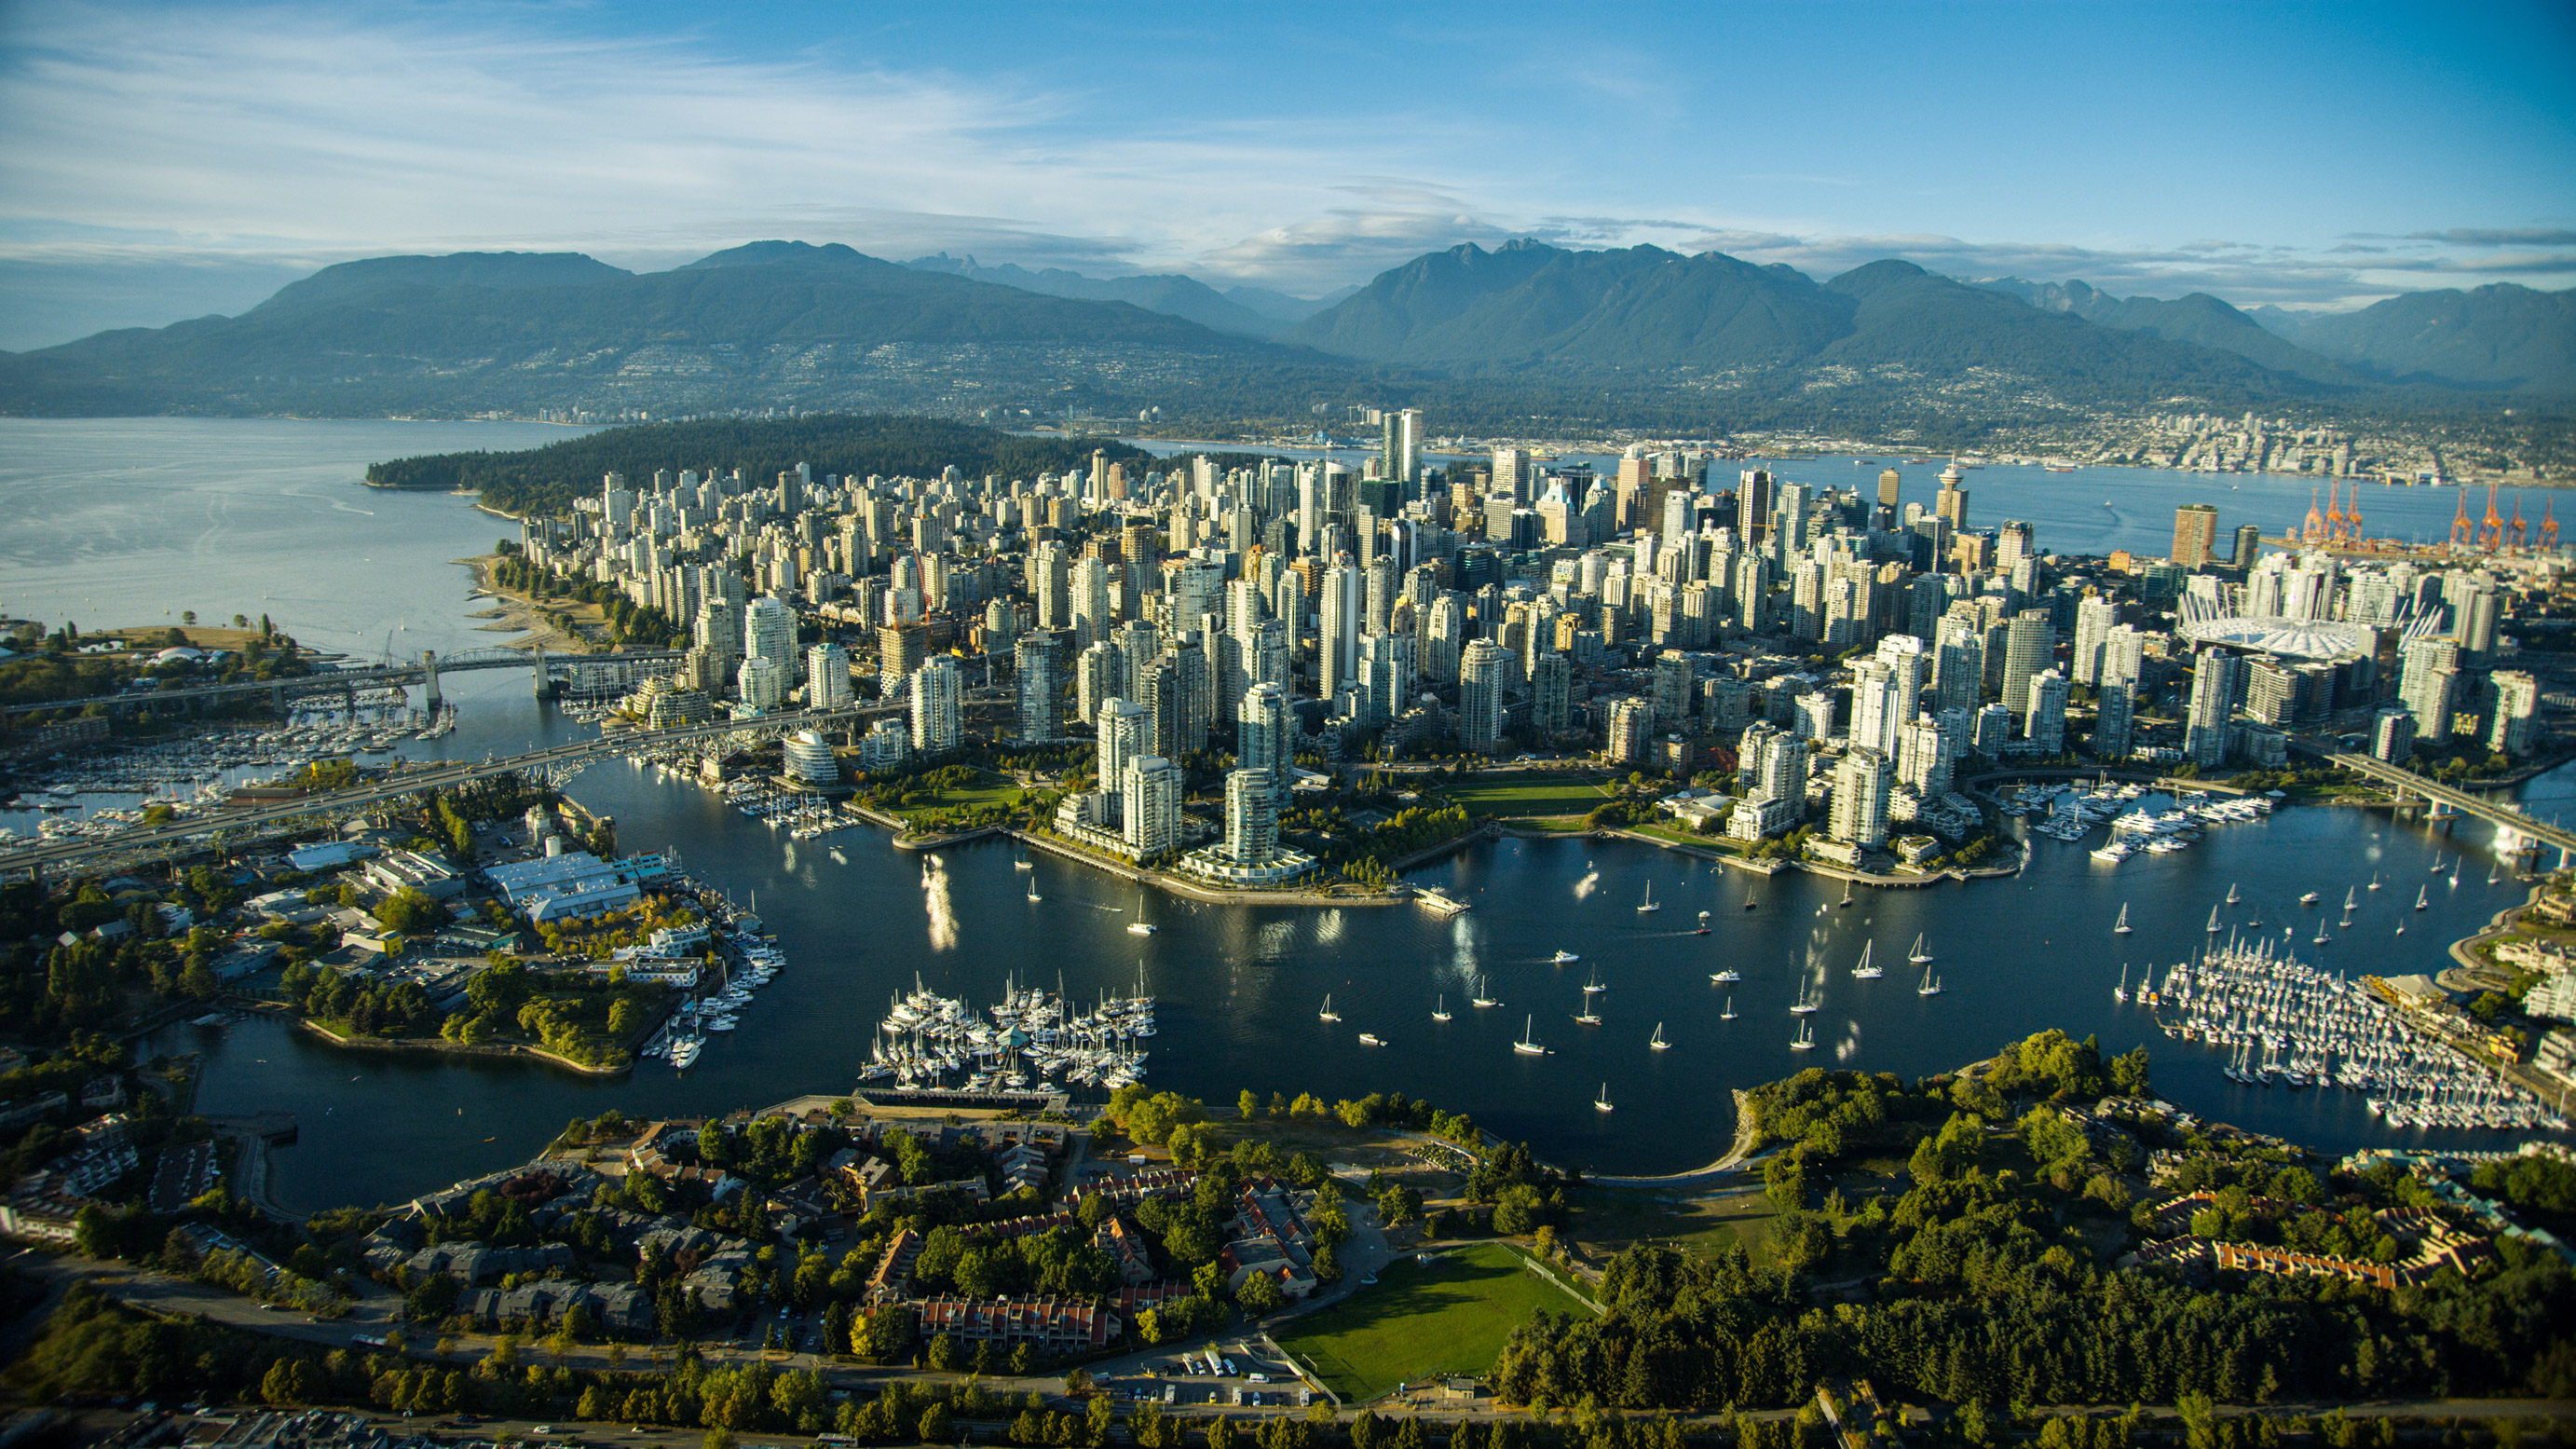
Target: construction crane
[2549,526]
[2462,532]
[2491,536]
[2514,529]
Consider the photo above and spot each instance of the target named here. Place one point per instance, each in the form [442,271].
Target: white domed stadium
[2288,638]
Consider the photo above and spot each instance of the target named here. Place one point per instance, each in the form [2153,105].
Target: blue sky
[158,162]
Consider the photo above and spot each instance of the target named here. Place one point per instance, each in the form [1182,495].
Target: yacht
[1802,1006]
[1587,1016]
[2420,902]
[1602,1102]
[1564,958]
[1657,1040]
[2308,898]
[1328,1014]
[1919,956]
[2214,927]
[1727,977]
[1440,1008]
[1806,1038]
[1033,892]
[1594,987]
[1484,994]
[1371,1039]
[2121,927]
[1528,1046]
[1024,863]
[1142,928]
[2233,897]
[1648,905]
[1729,1013]
[1931,984]
[1865,971]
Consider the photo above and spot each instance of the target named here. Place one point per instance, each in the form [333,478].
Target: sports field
[1523,795]
[1420,1321]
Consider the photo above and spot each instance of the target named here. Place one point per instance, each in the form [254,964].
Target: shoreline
[440,1046]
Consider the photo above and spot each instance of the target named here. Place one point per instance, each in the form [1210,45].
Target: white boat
[2349,895]
[1328,1014]
[1594,987]
[1865,971]
[2420,902]
[1564,958]
[2214,927]
[1918,955]
[2120,993]
[2122,927]
[1371,1039]
[1727,977]
[1483,996]
[2374,880]
[1528,1046]
[1803,1006]
[1806,1039]
[1440,1008]
[1587,1016]
[1602,1102]
[2232,897]
[1657,1040]
[2437,863]
[1729,1013]
[1649,903]
[2309,898]
[1931,984]
[1033,892]
[1142,928]
[1024,863]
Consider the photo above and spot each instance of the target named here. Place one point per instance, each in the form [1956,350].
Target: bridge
[2502,813]
[552,671]
[71,854]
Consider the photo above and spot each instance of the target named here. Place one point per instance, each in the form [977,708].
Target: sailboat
[2420,902]
[2321,938]
[2455,872]
[2437,863]
[1729,1013]
[2233,897]
[1918,955]
[1657,1040]
[1846,900]
[1648,905]
[1440,1008]
[1802,1005]
[2120,993]
[2350,899]
[2374,880]
[1806,1039]
[2121,927]
[2213,920]
[1328,1014]
[1594,987]
[1033,891]
[1589,1015]
[1483,996]
[1602,1102]
[1024,863]
[2491,874]
[1865,971]
[1528,1046]
[1931,984]
[1727,977]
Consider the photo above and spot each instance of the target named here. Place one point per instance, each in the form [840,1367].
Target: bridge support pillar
[545,677]
[429,679]
[277,698]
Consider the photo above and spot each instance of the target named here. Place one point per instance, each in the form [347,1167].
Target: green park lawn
[989,789]
[1526,795]
[1419,1321]
[1613,1218]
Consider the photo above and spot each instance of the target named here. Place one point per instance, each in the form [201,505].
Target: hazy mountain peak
[456,269]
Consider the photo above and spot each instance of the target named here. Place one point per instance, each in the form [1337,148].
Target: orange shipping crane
[2549,526]
[2491,537]
[2516,526]
[2463,532]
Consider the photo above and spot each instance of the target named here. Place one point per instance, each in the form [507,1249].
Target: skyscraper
[1400,452]
[2215,681]
[1126,734]
[1265,739]
[827,677]
[1251,817]
[2029,640]
[1950,505]
[1860,798]
[2116,710]
[1152,808]
[1481,672]
[769,632]
[1041,688]
[2045,722]
[1338,664]
[938,706]
[2195,535]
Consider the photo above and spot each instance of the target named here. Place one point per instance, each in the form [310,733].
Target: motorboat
[1142,928]
[2309,898]
[1564,958]
[1371,1039]
[1727,977]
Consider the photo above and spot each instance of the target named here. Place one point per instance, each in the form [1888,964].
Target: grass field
[989,789]
[1613,1218]
[1518,795]
[1448,1317]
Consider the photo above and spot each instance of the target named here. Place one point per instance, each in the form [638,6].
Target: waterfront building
[938,707]
[1923,758]
[1772,764]
[2115,717]
[2195,536]
[1859,815]
[808,760]
[886,746]
[1151,815]
[1631,730]
[2044,717]
[2392,737]
[1265,738]
[2216,678]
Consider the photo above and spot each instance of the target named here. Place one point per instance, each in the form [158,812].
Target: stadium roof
[2271,634]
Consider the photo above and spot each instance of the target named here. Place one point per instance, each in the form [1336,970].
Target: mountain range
[1520,333]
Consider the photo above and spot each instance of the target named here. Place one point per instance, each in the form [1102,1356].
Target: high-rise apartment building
[1265,738]
[1151,810]
[1861,783]
[1481,672]
[1037,660]
[2195,539]
[938,706]
[827,677]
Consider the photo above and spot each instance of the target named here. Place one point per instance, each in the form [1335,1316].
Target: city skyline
[169,162]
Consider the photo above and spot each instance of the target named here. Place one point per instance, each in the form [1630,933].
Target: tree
[1260,1295]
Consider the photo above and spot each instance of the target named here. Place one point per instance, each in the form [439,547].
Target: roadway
[73,851]
[371,677]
